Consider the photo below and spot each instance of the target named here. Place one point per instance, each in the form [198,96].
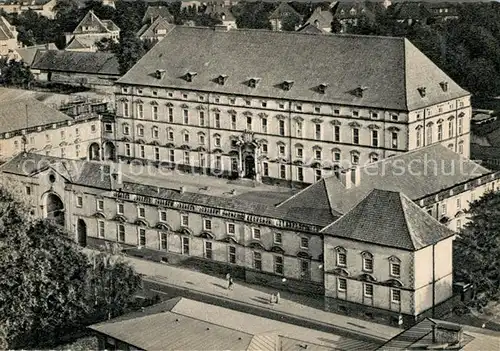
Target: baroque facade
[241,114]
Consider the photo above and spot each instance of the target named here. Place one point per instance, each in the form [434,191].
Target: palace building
[284,108]
[367,241]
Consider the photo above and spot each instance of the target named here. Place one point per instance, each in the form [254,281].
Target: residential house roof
[417,174]
[321,18]
[92,24]
[392,69]
[152,12]
[72,61]
[153,30]
[184,324]
[419,336]
[311,29]
[352,9]
[79,43]
[284,10]
[26,113]
[391,219]
[220,11]
[7,31]
[27,54]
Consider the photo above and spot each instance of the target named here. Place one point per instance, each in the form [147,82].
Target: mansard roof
[392,69]
[391,219]
[412,173]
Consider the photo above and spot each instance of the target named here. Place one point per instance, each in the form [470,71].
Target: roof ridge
[402,198]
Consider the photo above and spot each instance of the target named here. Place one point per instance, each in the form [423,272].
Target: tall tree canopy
[477,249]
[47,284]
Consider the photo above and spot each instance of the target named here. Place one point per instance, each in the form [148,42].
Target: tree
[290,22]
[47,284]
[16,74]
[477,249]
[129,51]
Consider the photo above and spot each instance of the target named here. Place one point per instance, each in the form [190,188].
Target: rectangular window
[171,155]
[450,129]
[336,133]
[79,201]
[395,295]
[459,204]
[305,271]
[419,138]
[317,131]
[27,190]
[282,171]
[101,229]
[157,154]
[232,254]
[185,220]
[282,128]
[355,136]
[155,112]
[217,120]
[395,269]
[185,96]
[341,259]
[126,111]
[140,111]
[299,129]
[202,118]
[374,115]
[141,212]
[368,264]
[185,114]
[231,228]
[121,233]
[185,246]
[341,284]
[256,233]
[278,238]
[394,117]
[163,216]
[304,243]
[368,290]
[249,123]
[257,261]
[278,264]
[187,158]
[264,148]
[170,115]
[300,152]
[443,209]
[207,224]
[281,105]
[100,205]
[127,149]
[265,169]
[460,126]
[282,150]
[440,132]
[119,208]
[142,152]
[460,148]
[248,102]
[394,139]
[298,107]
[163,241]
[375,138]
[264,125]
[355,113]
[233,122]
[218,162]
[300,174]
[208,250]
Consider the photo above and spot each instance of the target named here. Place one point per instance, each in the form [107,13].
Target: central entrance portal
[249,167]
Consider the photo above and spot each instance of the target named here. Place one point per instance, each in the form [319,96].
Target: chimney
[350,177]
[447,333]
[182,189]
[160,73]
[116,179]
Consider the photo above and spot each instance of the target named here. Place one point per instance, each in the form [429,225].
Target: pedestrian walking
[230,284]
[271,298]
[278,297]
[228,276]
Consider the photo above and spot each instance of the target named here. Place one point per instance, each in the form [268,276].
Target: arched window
[201,138]
[217,140]
[170,134]
[155,132]
[354,157]
[185,136]
[373,157]
[394,267]
[367,261]
[140,130]
[341,256]
[126,129]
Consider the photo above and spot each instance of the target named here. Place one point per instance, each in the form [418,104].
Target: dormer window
[252,82]
[160,73]
[322,88]
[444,86]
[189,76]
[421,91]
[287,84]
[221,79]
[359,91]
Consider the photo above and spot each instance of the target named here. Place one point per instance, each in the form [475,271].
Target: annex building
[284,108]
[368,242]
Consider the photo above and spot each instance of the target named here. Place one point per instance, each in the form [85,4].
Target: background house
[221,12]
[8,37]
[283,12]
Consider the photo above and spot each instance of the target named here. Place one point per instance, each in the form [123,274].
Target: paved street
[293,305]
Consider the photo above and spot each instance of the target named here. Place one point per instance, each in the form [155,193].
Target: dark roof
[219,11]
[419,337]
[408,173]
[81,62]
[322,17]
[5,29]
[153,12]
[150,30]
[28,53]
[283,10]
[390,219]
[392,68]
[76,171]
[352,9]
[90,20]
[411,10]
[311,29]
[16,115]
[184,324]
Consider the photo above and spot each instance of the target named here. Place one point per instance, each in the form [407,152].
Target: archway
[109,151]
[249,167]
[54,209]
[94,152]
[81,231]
